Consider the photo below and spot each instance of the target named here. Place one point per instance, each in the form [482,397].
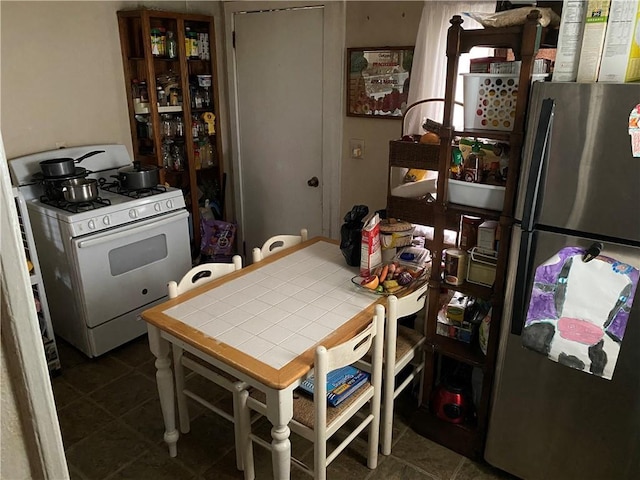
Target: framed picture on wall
[378,81]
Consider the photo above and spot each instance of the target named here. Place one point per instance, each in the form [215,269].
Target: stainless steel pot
[138,176]
[77,190]
[62,167]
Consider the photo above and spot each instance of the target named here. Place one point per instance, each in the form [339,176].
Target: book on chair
[341,383]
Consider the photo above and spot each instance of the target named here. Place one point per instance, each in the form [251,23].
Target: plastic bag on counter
[351,234]
[218,238]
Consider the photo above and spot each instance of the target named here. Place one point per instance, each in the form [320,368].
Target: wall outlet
[61,144]
[356,148]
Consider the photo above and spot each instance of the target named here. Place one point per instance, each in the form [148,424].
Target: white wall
[374,24]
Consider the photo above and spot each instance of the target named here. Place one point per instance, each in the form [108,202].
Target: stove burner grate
[115,187]
[76,207]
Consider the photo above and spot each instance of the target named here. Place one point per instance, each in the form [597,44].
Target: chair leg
[245,444]
[183,410]
[387,414]
[237,425]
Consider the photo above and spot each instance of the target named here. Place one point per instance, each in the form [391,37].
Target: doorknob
[313,182]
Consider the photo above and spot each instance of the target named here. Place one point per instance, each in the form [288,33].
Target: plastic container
[490,100]
[479,195]
[482,267]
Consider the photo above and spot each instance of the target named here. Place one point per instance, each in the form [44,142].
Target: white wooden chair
[277,243]
[195,277]
[402,346]
[313,419]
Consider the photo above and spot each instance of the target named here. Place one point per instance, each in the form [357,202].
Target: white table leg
[280,413]
[164,379]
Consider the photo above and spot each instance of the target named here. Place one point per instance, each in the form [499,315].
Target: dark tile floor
[112,429]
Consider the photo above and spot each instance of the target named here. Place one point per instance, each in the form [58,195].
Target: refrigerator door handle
[520,293]
[538,157]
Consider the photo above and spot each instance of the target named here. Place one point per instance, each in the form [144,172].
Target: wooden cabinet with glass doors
[169,67]
[466,359]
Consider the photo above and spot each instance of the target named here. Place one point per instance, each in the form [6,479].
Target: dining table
[262,324]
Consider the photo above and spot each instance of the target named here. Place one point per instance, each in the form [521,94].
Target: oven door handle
[126,231]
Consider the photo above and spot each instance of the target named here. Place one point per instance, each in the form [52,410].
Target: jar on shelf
[163,42]
[193,42]
[144,92]
[167,126]
[187,41]
[173,97]
[195,128]
[177,157]
[179,126]
[172,45]
[167,160]
[162,97]
[155,42]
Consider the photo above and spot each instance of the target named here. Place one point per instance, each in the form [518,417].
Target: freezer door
[549,421]
[590,182]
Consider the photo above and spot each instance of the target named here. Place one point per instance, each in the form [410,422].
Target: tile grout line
[458,468]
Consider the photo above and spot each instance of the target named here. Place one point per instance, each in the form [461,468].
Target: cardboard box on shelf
[621,53]
[569,40]
[595,29]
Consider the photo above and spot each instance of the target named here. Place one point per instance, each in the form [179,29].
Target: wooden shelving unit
[468,437]
[193,82]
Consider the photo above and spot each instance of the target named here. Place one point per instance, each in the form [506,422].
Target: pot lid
[137,167]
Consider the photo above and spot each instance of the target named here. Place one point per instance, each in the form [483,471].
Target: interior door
[279,82]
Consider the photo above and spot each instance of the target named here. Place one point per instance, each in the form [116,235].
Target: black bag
[351,234]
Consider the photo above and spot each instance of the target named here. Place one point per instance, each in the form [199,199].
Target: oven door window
[129,267]
[137,254]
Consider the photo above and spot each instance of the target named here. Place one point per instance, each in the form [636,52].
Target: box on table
[621,53]
[595,29]
[490,100]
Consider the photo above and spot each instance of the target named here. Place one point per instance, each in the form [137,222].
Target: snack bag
[371,251]
[217,237]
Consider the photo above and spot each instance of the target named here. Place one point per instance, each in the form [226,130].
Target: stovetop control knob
[133,213]
[92,225]
[106,220]
[157,207]
[169,203]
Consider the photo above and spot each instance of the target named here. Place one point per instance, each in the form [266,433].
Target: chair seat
[303,408]
[408,339]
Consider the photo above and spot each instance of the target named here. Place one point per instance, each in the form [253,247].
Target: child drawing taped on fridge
[579,310]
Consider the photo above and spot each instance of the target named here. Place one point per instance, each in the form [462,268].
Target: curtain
[428,72]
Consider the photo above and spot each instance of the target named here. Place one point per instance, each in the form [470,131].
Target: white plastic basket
[490,100]
[480,195]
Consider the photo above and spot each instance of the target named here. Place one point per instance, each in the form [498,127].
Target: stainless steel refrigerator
[579,187]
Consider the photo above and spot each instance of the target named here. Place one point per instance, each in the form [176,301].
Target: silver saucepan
[77,190]
[62,167]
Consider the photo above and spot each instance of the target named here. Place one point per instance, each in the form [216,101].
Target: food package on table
[371,251]
[217,237]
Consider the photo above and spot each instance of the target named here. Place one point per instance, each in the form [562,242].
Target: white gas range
[103,261]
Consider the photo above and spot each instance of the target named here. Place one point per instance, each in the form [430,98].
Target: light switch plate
[356,148]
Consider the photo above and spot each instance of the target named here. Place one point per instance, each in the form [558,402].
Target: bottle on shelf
[155,42]
[172,45]
[163,42]
[457,170]
[473,164]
